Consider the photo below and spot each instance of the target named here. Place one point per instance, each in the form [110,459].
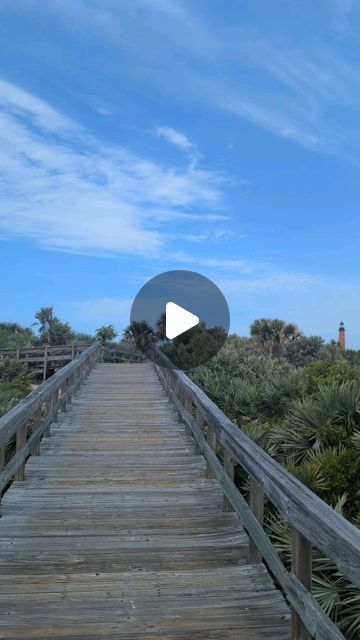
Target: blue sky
[138,136]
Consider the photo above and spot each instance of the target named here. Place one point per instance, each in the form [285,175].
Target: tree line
[49,329]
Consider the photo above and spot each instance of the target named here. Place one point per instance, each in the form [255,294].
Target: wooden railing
[30,420]
[122,354]
[44,357]
[313,522]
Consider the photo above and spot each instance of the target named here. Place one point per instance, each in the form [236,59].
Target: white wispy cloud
[215,236]
[302,91]
[269,280]
[67,190]
[176,138]
[238,276]
[19,102]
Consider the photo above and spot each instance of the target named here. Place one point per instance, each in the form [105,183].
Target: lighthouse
[341,336]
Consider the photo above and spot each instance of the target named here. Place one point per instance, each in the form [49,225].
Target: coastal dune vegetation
[296,396]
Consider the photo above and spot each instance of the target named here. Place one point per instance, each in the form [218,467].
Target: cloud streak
[67,190]
[295,90]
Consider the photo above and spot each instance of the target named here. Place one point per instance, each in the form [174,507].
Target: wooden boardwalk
[117,534]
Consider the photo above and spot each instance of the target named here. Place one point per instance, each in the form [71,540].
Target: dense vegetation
[299,399]
[296,396]
[15,380]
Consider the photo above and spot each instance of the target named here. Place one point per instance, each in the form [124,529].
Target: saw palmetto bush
[14,375]
[308,419]
[339,599]
[15,384]
[330,417]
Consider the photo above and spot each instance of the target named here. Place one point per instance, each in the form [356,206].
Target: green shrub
[324,373]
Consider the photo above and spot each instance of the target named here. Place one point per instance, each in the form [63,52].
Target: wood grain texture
[117,534]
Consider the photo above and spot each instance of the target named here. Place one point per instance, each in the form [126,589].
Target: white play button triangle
[178,320]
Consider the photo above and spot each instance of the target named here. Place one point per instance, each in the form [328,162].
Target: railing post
[47,410]
[211,439]
[201,422]
[2,463]
[21,435]
[72,352]
[45,361]
[35,449]
[54,400]
[302,569]
[188,408]
[257,507]
[229,468]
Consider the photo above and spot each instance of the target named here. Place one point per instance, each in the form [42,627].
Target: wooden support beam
[302,569]
[188,407]
[257,507]
[211,439]
[20,443]
[36,421]
[201,422]
[47,410]
[2,463]
[45,362]
[229,468]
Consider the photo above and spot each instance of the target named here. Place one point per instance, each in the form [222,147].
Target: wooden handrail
[40,348]
[121,354]
[313,521]
[38,410]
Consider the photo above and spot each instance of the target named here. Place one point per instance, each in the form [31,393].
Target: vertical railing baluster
[302,569]
[211,439]
[201,422]
[45,361]
[230,469]
[47,410]
[36,420]
[188,408]
[21,436]
[257,507]
[2,462]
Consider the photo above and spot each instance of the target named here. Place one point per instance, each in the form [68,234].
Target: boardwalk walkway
[116,534]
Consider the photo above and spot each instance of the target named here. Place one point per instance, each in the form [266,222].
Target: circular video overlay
[183,313]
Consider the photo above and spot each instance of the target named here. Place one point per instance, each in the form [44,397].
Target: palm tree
[140,333]
[106,335]
[274,333]
[45,317]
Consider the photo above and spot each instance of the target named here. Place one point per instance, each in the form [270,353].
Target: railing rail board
[40,349]
[51,397]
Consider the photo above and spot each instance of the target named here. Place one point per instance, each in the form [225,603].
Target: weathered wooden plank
[116,532]
[229,469]
[257,507]
[16,418]
[302,569]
